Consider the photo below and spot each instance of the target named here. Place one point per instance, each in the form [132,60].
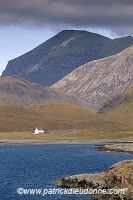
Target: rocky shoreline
[119,148]
[118,176]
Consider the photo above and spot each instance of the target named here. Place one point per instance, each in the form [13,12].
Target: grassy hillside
[17,91]
[64,121]
[123,114]
[120,108]
[51,116]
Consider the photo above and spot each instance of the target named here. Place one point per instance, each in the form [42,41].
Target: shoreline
[118,148]
[101,145]
[62,142]
[118,175]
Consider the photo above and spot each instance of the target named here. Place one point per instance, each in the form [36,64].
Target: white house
[38,131]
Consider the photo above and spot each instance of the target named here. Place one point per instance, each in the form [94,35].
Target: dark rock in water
[118,176]
[60,55]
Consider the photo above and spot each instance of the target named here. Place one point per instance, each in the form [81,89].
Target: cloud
[116,15]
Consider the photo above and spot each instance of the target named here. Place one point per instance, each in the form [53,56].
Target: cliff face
[98,80]
[60,55]
[118,176]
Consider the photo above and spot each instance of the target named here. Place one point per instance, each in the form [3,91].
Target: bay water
[38,166]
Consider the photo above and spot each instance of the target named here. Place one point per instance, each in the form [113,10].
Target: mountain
[50,116]
[98,80]
[17,91]
[119,108]
[60,55]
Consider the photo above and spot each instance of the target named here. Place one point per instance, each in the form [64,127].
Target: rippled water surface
[38,166]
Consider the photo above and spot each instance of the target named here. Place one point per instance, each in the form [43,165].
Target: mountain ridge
[96,81]
[61,54]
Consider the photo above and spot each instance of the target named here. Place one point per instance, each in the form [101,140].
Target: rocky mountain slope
[122,98]
[60,55]
[17,91]
[96,81]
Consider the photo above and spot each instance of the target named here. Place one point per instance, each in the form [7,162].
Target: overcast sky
[24,24]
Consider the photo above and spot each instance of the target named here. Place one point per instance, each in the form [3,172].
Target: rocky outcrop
[115,101]
[60,55]
[118,176]
[125,148]
[97,81]
[119,109]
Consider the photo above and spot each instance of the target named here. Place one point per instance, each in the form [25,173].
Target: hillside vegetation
[119,108]
[50,116]
[64,121]
[17,91]
[123,113]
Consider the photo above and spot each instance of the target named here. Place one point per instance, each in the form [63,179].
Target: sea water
[38,166]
